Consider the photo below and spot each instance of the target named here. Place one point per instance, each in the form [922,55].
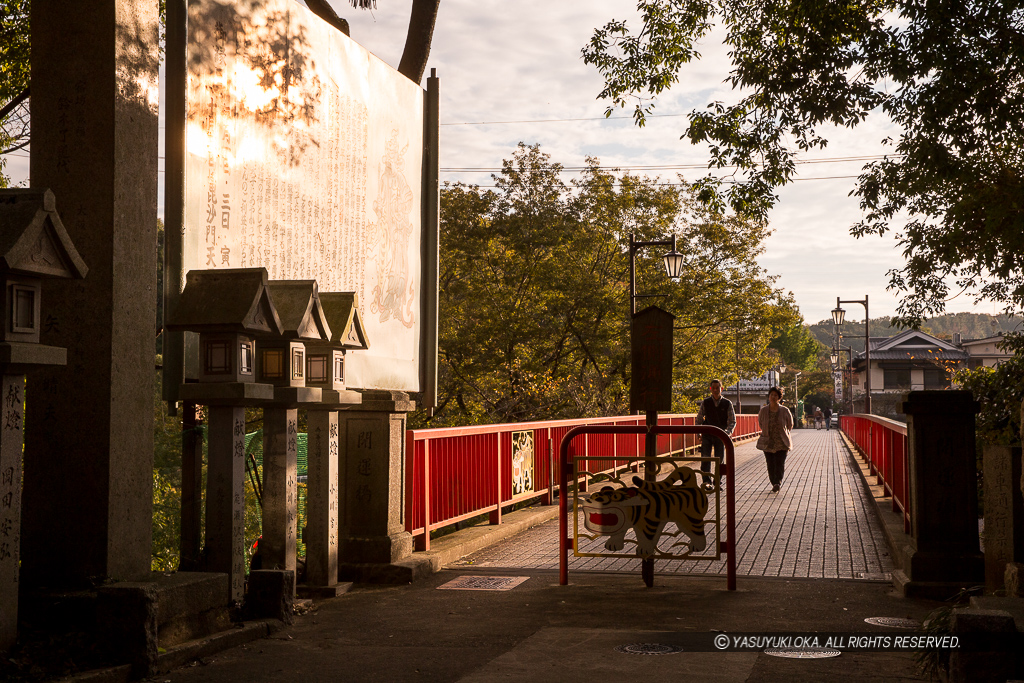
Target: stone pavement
[820,525]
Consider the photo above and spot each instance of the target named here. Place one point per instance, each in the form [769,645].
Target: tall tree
[949,74]
[534,292]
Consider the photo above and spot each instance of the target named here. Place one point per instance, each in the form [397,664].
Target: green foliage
[534,292]
[166,484]
[14,48]
[1000,390]
[797,346]
[949,75]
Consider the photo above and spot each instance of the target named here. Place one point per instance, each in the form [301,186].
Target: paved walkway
[820,525]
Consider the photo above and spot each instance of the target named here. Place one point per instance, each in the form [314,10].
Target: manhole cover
[483,583]
[803,653]
[648,649]
[893,622]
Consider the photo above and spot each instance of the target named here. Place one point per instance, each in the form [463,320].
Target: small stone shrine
[33,245]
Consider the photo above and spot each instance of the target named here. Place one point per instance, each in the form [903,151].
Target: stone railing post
[944,554]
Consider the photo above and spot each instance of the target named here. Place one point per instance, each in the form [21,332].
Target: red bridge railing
[457,473]
[883,443]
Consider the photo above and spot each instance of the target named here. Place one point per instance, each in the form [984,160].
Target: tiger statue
[647,507]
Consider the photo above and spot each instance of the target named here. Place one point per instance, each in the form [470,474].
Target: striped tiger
[647,507]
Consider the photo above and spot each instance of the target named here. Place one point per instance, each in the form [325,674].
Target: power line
[665,167]
[593,118]
[831,177]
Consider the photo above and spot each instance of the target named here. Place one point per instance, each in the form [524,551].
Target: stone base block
[943,567]
[990,649]
[931,590]
[375,549]
[401,572]
[269,594]
[324,592]
[227,393]
[126,623]
[294,397]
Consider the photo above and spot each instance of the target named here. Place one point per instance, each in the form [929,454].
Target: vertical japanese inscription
[11,441]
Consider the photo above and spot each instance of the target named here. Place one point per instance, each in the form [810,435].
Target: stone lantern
[325,361]
[33,245]
[282,360]
[228,308]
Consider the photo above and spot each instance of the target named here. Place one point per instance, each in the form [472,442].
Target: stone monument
[88,489]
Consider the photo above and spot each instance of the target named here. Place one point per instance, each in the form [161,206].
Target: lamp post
[674,262]
[838,314]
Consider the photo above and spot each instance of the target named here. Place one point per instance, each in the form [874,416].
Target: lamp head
[838,314]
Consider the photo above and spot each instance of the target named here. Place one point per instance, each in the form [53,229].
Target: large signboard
[304,154]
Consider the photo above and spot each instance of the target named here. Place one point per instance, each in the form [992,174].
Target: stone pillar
[321,533]
[944,554]
[1004,513]
[225,497]
[89,429]
[11,439]
[280,489]
[372,480]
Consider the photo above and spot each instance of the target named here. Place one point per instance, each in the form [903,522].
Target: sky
[512,72]
[520,61]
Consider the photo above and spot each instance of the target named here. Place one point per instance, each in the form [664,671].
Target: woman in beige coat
[776,423]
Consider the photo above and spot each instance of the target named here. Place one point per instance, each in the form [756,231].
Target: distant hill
[969,325]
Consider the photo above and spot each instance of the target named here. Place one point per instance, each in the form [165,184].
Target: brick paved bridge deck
[820,525]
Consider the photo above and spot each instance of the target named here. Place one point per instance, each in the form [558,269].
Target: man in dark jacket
[714,410]
[828,418]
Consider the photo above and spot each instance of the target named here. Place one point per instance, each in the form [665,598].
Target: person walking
[828,418]
[818,418]
[718,411]
[776,423]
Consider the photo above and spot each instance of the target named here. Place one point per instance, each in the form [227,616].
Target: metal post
[650,474]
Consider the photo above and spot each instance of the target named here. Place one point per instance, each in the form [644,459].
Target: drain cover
[483,583]
[803,653]
[893,622]
[648,649]
[873,576]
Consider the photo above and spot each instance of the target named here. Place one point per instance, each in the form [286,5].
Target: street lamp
[838,314]
[674,262]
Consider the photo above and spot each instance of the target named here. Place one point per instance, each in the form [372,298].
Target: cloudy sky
[502,61]
[511,72]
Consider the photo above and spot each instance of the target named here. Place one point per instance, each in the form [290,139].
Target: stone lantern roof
[33,240]
[298,304]
[342,310]
[228,300]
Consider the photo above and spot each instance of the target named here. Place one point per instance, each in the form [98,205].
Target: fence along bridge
[820,525]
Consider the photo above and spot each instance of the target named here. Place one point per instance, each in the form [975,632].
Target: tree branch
[417,41]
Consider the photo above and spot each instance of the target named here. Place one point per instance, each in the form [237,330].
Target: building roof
[994,339]
[342,311]
[912,345]
[226,300]
[298,304]
[33,240]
